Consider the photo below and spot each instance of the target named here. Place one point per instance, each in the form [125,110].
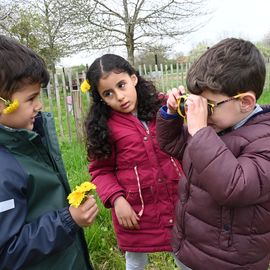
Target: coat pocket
[150,217]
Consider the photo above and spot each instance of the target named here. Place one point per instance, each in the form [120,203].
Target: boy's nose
[38,107]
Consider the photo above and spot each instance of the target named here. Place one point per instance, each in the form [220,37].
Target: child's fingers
[94,214]
[123,222]
[135,223]
[90,215]
[172,103]
[130,223]
[176,93]
[89,207]
[181,89]
[90,201]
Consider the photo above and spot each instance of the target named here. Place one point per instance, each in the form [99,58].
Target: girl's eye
[107,94]
[121,85]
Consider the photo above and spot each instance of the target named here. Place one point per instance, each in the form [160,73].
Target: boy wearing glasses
[223,214]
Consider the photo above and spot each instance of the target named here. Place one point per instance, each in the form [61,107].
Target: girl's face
[118,91]
[29,106]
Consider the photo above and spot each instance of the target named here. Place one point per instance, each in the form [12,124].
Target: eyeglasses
[181,104]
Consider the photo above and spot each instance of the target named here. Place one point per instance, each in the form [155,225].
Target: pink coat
[145,176]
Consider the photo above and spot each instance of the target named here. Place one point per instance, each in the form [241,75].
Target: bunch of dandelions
[77,196]
[11,106]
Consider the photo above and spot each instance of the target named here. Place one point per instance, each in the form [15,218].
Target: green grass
[100,236]
[265,97]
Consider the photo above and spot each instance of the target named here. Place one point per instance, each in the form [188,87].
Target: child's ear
[134,79]
[248,102]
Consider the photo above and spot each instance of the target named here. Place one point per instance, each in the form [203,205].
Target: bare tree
[132,23]
[55,31]
[43,25]
[68,26]
[6,13]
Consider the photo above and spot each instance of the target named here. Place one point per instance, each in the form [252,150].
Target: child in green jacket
[38,228]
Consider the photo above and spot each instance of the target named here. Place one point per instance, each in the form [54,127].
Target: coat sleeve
[22,243]
[171,133]
[103,176]
[233,181]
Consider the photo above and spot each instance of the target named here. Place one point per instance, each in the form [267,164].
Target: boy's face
[29,106]
[229,113]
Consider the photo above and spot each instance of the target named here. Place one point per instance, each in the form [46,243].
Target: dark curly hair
[97,133]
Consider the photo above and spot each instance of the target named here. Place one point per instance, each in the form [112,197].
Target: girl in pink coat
[133,176]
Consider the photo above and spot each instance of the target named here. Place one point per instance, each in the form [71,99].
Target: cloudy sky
[249,19]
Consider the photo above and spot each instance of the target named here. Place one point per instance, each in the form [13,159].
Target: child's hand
[126,216]
[86,213]
[196,112]
[174,94]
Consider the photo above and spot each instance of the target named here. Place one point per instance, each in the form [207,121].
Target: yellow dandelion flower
[85,186]
[85,86]
[75,198]
[11,105]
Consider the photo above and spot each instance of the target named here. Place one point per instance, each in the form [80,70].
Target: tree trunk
[130,50]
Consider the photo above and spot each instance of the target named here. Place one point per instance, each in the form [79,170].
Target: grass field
[100,236]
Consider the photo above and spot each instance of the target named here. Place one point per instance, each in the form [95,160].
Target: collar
[257,109]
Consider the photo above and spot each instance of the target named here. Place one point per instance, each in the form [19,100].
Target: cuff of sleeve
[114,197]
[165,115]
[69,224]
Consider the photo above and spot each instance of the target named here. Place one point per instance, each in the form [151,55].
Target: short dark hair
[230,67]
[19,66]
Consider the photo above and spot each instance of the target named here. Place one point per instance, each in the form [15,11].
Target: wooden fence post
[67,105]
[162,78]
[77,103]
[59,111]
[77,106]
[50,96]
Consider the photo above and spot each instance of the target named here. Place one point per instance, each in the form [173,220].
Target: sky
[248,19]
